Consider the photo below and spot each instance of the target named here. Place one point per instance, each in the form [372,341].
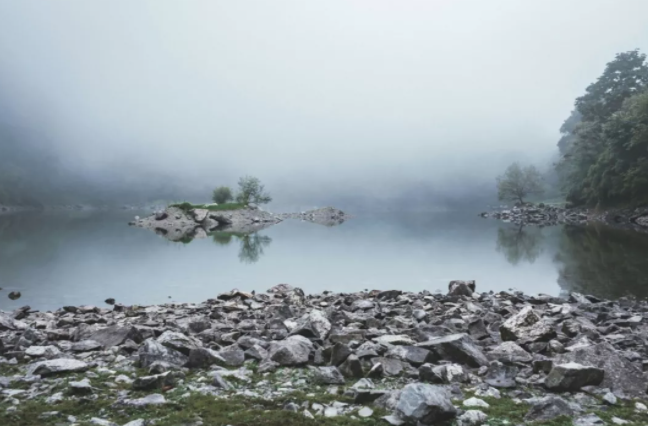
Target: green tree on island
[251,190]
[517,183]
[222,195]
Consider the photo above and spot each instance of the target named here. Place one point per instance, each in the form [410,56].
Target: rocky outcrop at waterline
[636,219]
[406,358]
[177,224]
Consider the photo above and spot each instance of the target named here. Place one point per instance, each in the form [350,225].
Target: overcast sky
[294,91]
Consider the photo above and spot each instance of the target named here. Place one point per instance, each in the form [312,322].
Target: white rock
[138,422]
[394,420]
[365,412]
[618,421]
[490,392]
[43,351]
[330,412]
[640,407]
[102,422]
[472,418]
[154,399]
[475,402]
[610,398]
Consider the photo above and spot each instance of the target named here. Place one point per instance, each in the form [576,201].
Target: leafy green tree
[251,190]
[222,195]
[518,183]
[603,153]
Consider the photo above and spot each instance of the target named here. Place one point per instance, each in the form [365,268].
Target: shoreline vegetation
[367,358]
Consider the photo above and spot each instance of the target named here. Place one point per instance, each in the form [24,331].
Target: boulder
[233,356]
[442,374]
[412,354]
[152,351]
[315,324]
[526,326]
[472,418]
[500,375]
[461,288]
[57,366]
[328,376]
[509,352]
[394,339]
[425,404]
[115,335]
[292,351]
[572,377]
[43,351]
[458,348]
[179,342]
[203,358]
[352,367]
[157,381]
[620,375]
[86,346]
[339,353]
[548,408]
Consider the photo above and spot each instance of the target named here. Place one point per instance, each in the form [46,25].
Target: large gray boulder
[621,376]
[203,358]
[412,354]
[509,352]
[115,335]
[573,376]
[548,408]
[458,348]
[314,324]
[526,326]
[152,351]
[294,350]
[56,366]
[328,376]
[461,288]
[179,342]
[425,404]
[501,375]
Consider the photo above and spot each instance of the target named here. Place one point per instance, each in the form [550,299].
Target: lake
[83,258]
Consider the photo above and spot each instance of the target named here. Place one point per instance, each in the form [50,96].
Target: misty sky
[333,92]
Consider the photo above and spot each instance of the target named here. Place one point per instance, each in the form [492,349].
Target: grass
[186,206]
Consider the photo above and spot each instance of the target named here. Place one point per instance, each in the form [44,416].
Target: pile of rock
[327,216]
[415,355]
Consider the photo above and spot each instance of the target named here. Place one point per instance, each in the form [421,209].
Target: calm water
[76,259]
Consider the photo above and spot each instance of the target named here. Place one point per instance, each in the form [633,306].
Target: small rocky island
[287,358]
[186,222]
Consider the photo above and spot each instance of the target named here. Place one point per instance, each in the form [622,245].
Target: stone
[339,353]
[461,288]
[179,342]
[412,354]
[352,367]
[572,377]
[234,357]
[86,346]
[588,420]
[43,351]
[138,422]
[394,420]
[154,399]
[109,301]
[501,375]
[82,387]
[328,376]
[315,324]
[293,351]
[362,304]
[621,375]
[388,366]
[609,398]
[618,421]
[509,352]
[548,408]
[115,335]
[391,339]
[472,418]
[331,412]
[475,402]
[220,383]
[526,326]
[446,373]
[9,323]
[57,366]
[203,358]
[477,329]
[365,412]
[152,351]
[102,422]
[427,404]
[458,348]
[156,381]
[256,352]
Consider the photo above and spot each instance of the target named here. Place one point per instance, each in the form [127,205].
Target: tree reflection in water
[252,245]
[603,261]
[520,243]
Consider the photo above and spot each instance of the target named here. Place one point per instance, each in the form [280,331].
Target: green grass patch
[186,206]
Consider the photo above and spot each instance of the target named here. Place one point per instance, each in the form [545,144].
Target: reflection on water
[520,243]
[83,258]
[251,245]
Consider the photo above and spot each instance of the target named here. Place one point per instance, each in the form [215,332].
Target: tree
[222,195]
[519,182]
[252,191]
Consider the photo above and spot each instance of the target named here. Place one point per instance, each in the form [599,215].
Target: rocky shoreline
[177,224]
[373,357]
[635,219]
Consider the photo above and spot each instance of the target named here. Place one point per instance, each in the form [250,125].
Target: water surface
[84,258]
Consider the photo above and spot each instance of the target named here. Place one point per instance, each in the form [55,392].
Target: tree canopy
[604,143]
[518,183]
[251,190]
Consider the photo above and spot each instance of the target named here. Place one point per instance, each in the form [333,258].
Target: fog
[326,102]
